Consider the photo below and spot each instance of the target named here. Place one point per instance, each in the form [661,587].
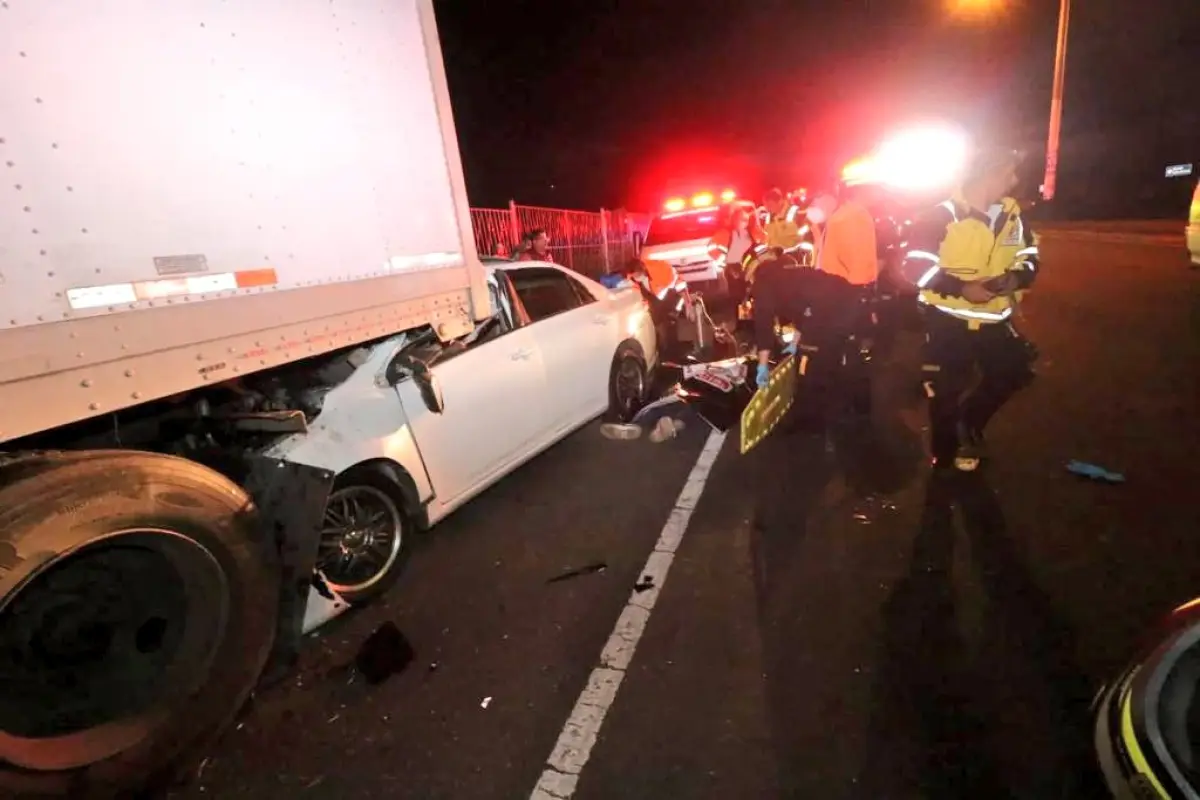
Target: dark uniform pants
[970,375]
[834,372]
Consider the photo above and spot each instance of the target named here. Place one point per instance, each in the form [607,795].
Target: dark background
[587,104]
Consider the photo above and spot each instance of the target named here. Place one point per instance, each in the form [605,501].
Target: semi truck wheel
[138,603]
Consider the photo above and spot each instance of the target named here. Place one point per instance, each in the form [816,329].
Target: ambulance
[679,235]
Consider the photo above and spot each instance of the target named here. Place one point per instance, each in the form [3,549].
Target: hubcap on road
[361,537]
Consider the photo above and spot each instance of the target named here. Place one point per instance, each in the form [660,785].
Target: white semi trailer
[206,209]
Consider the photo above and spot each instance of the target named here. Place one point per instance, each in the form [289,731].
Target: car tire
[375,498]
[139,597]
[627,385]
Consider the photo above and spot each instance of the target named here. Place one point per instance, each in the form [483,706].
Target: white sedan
[415,428]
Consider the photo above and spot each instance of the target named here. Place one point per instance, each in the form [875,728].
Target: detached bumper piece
[1147,723]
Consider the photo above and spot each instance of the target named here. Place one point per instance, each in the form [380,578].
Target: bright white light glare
[922,158]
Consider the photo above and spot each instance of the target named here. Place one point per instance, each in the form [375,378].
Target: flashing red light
[702,200]
[674,204]
[728,196]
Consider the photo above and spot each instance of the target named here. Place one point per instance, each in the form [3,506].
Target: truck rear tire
[138,605]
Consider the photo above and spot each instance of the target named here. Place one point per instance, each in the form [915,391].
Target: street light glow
[976,10]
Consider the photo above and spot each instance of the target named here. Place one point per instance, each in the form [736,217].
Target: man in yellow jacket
[972,257]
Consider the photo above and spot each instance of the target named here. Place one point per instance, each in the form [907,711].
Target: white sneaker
[620,431]
[667,428]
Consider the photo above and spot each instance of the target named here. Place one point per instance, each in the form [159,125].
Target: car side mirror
[406,366]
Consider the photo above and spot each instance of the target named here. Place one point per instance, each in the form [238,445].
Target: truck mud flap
[291,501]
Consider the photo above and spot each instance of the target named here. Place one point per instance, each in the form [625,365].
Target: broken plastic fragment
[486,701]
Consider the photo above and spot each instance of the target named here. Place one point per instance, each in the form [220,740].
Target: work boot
[970,449]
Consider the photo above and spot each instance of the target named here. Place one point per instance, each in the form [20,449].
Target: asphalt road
[834,624]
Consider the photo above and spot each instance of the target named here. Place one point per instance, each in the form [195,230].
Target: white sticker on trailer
[116,294]
[425,261]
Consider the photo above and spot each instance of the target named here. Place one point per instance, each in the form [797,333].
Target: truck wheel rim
[629,385]
[101,646]
[361,538]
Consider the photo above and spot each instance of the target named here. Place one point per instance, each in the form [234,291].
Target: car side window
[544,292]
[582,292]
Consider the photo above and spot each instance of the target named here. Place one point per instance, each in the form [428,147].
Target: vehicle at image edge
[1144,731]
[1193,228]
[680,235]
[232,311]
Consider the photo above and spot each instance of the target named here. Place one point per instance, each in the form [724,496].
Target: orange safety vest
[661,276]
[718,245]
[847,245]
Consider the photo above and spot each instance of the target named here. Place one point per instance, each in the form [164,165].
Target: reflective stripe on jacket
[787,231]
[953,243]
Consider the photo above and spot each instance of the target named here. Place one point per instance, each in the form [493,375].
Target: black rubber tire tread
[52,502]
[616,414]
[375,478]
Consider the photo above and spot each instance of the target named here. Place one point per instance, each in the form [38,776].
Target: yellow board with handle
[769,404]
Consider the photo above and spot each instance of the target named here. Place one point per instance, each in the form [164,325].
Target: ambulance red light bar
[699,201]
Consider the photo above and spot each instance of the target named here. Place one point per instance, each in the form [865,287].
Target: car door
[493,415]
[572,330]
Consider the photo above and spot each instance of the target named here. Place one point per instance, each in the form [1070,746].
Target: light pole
[1056,101]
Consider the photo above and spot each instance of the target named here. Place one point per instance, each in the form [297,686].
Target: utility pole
[1056,101]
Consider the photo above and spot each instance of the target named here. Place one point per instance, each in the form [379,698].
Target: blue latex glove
[789,349]
[1094,472]
[761,376]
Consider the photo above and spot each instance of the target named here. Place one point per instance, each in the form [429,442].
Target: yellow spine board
[769,405]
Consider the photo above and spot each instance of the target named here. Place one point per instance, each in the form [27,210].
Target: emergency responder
[666,295]
[785,229]
[729,245]
[846,247]
[821,305]
[971,258]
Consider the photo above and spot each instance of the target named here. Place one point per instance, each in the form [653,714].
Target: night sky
[587,104]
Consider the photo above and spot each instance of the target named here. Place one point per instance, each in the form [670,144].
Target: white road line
[578,736]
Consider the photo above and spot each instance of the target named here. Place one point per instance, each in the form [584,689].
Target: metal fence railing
[591,242]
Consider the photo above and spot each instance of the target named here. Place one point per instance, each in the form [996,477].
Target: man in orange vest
[731,243]
[835,340]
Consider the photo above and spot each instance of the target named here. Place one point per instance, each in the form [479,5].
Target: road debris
[590,569]
[384,653]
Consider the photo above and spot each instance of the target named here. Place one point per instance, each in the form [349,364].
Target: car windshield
[683,226]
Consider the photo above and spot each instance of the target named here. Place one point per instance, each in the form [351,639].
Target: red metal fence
[591,242]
